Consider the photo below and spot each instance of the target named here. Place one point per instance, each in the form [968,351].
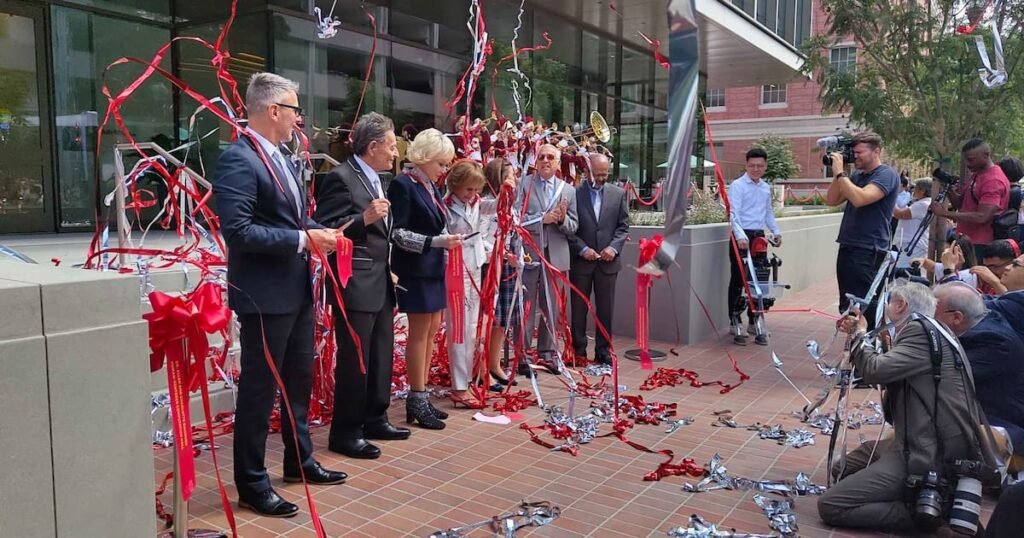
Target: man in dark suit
[352,194]
[595,262]
[262,213]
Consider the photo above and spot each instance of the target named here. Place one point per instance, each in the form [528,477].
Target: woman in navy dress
[421,237]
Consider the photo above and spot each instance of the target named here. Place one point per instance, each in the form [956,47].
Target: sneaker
[761,340]
[740,339]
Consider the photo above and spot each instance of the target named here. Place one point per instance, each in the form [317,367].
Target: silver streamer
[814,350]
[700,528]
[780,514]
[676,424]
[798,438]
[583,428]
[717,477]
[598,370]
[163,434]
[535,514]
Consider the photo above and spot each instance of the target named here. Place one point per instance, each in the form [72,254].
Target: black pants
[855,270]
[289,339]
[591,280]
[363,399]
[736,284]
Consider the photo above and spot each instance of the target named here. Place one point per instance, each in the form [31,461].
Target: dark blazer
[414,210]
[1011,306]
[342,196]
[266,272]
[997,361]
[609,229]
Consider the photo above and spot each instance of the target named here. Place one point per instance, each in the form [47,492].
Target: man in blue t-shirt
[864,235]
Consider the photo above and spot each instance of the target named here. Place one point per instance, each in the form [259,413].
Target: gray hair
[266,89]
[964,299]
[918,297]
[372,127]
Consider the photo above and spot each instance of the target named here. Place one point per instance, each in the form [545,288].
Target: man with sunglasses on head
[994,350]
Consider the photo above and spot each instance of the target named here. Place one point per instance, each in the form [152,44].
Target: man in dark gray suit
[595,264]
[550,217]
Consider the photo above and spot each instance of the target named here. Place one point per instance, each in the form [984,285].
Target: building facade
[54,56]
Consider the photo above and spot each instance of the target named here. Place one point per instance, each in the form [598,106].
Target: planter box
[808,254]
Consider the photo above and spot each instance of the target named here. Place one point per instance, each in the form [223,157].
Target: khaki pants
[870,497]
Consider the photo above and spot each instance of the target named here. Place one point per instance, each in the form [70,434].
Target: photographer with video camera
[903,483]
[977,205]
[864,235]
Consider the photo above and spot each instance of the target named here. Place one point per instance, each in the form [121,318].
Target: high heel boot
[417,409]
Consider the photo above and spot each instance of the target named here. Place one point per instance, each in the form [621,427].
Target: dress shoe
[761,340]
[385,431]
[605,360]
[318,475]
[524,369]
[549,364]
[355,448]
[269,504]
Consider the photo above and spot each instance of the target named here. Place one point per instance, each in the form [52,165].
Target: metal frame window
[773,94]
[843,59]
[716,98]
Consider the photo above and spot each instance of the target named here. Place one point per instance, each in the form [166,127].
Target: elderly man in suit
[595,264]
[352,194]
[548,206]
[262,213]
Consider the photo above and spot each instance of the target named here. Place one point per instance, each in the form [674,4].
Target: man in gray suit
[604,224]
[548,208]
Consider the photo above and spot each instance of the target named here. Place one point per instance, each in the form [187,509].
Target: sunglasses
[297,109]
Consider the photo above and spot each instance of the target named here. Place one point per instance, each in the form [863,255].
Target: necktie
[289,180]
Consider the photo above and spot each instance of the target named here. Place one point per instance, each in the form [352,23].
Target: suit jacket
[415,211]
[609,229]
[465,220]
[1011,306]
[266,272]
[342,196]
[555,236]
[996,355]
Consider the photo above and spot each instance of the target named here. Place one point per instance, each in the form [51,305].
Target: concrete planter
[808,253]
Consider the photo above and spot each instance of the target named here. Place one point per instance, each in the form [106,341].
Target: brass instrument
[599,128]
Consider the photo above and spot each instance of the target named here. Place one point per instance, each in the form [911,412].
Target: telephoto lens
[963,518]
[928,507]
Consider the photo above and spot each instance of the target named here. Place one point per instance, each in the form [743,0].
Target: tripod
[925,224]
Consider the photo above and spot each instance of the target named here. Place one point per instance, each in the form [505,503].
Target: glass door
[26,194]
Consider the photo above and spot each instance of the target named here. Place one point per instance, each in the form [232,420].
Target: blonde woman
[421,237]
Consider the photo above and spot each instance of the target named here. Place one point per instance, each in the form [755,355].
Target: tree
[916,79]
[781,162]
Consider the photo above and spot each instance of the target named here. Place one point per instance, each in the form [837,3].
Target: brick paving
[471,471]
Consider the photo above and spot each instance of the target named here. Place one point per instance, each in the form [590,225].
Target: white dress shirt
[750,203]
[372,175]
[274,154]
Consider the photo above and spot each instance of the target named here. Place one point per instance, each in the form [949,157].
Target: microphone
[828,141]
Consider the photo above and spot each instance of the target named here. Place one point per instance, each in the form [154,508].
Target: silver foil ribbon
[717,477]
[700,528]
[162,437]
[529,514]
[674,425]
[780,514]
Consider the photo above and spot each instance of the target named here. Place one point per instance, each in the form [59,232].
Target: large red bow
[648,249]
[177,330]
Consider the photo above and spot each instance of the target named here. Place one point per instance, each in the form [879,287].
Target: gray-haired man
[262,213]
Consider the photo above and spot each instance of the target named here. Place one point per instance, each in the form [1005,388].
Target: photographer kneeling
[929,403]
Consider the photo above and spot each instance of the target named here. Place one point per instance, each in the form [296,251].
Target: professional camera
[966,510]
[928,502]
[836,144]
[944,177]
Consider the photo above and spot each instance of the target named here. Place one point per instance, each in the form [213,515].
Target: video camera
[944,177]
[836,144]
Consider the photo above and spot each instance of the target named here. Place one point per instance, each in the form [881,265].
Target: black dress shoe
[355,448]
[319,476]
[524,369]
[603,359]
[269,504]
[385,432]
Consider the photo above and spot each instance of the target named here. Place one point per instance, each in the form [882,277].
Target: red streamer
[456,294]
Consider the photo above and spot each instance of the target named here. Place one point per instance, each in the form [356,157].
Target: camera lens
[928,509]
[963,518]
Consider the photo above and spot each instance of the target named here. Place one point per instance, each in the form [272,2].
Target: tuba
[599,128]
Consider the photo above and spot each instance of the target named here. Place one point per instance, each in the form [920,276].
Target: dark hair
[494,173]
[869,138]
[966,246]
[904,180]
[1013,168]
[973,144]
[372,127]
[757,153]
[1000,248]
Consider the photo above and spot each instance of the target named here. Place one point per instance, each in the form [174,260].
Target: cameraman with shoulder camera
[980,200]
[864,235]
[888,486]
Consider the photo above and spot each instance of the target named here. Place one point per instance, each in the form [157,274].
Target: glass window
[150,9]
[772,94]
[449,33]
[787,21]
[843,59]
[83,45]
[598,63]
[803,21]
[561,61]
[716,97]
[746,5]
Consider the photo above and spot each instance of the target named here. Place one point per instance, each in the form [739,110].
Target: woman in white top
[909,219]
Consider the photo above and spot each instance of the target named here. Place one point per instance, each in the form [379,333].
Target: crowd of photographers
[946,344]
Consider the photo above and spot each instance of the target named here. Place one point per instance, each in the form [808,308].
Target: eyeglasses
[297,109]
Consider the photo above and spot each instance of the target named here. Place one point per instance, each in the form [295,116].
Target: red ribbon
[177,331]
[344,260]
[456,294]
[648,248]
[657,50]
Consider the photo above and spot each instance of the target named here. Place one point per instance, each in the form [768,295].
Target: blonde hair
[465,173]
[430,145]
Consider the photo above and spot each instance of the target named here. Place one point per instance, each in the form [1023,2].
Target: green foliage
[706,209]
[916,82]
[781,162]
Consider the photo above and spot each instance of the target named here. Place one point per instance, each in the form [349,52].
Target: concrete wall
[75,444]
[808,254]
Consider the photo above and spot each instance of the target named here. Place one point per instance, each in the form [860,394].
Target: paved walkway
[472,471]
